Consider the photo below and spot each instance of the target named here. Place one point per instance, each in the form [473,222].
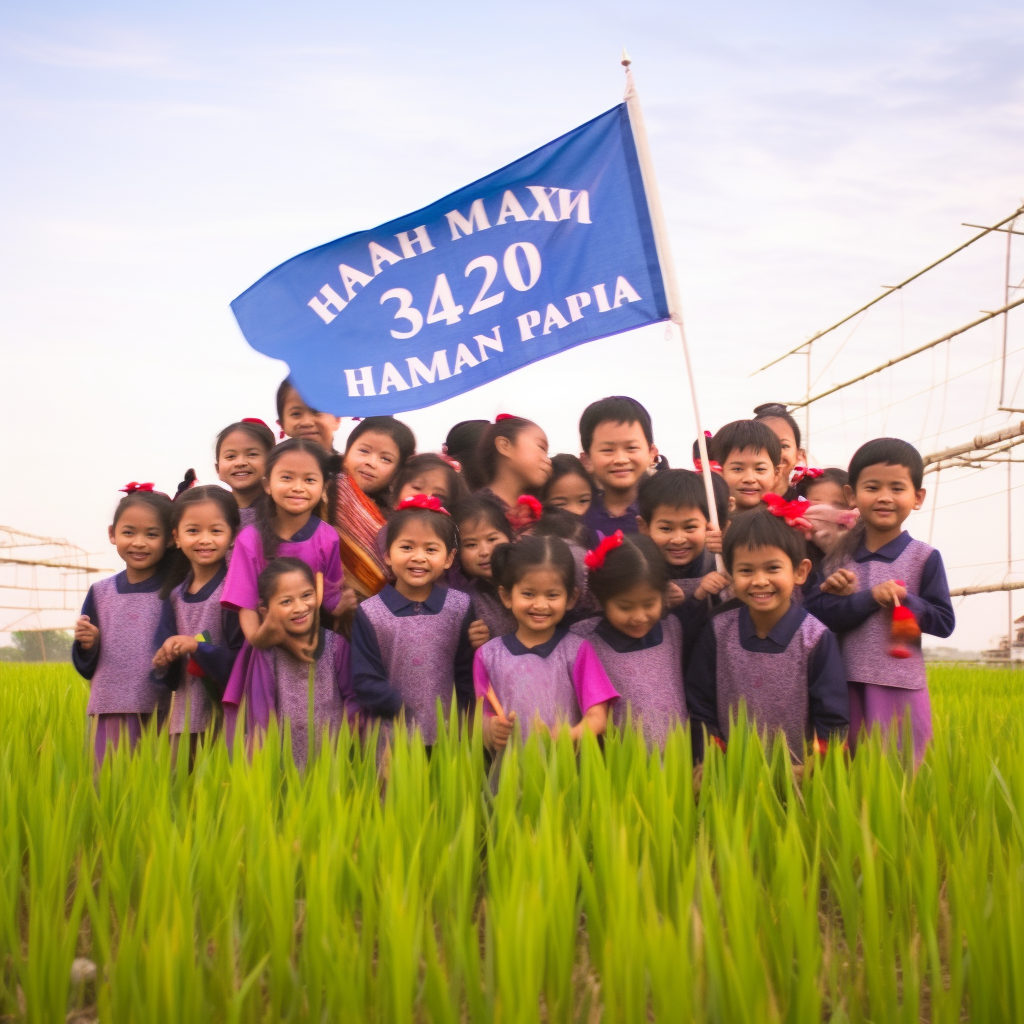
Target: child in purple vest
[114,634]
[296,473]
[542,675]
[482,527]
[241,454]
[641,651]
[673,512]
[410,642]
[275,682]
[877,567]
[196,639]
[764,649]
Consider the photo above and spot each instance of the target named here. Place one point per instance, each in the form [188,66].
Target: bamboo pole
[889,291]
[989,588]
[668,272]
[907,355]
[978,443]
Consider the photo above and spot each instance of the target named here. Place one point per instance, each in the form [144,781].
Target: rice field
[595,888]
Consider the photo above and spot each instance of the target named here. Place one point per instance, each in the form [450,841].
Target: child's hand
[174,647]
[479,634]
[500,730]
[713,540]
[842,583]
[886,594]
[348,602]
[711,586]
[86,634]
[674,595]
[299,647]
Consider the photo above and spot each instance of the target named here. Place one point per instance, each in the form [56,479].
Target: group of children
[320,586]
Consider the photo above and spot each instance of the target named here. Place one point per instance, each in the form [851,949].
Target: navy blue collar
[621,643]
[887,552]
[632,511]
[207,588]
[697,569]
[515,646]
[781,633]
[306,533]
[402,606]
[145,587]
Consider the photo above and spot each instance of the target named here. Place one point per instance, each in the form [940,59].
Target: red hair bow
[805,473]
[503,416]
[698,466]
[254,419]
[595,559]
[135,486]
[793,512]
[454,463]
[526,511]
[429,502]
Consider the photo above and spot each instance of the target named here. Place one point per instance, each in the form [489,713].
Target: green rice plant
[591,883]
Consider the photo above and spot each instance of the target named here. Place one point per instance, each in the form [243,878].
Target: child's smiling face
[241,463]
[764,580]
[295,484]
[636,611]
[418,557]
[679,533]
[477,540]
[619,455]
[203,533]
[750,476]
[293,603]
[885,496]
[140,538]
[372,461]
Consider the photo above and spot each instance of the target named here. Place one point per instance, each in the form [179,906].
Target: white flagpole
[668,272]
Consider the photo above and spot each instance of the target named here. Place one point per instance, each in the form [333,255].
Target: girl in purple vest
[410,642]
[274,683]
[296,473]
[542,675]
[114,634]
[482,527]
[196,639]
[875,568]
[764,648]
[641,650]
[241,454]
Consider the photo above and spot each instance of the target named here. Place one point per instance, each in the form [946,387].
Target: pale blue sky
[155,162]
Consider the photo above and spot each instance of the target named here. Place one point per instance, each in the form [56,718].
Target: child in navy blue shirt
[878,567]
[618,451]
[674,514]
[764,648]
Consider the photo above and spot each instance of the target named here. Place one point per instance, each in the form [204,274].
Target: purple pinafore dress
[191,700]
[122,696]
[883,688]
[774,686]
[418,653]
[558,681]
[648,675]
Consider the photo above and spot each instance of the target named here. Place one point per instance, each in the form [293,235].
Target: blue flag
[552,251]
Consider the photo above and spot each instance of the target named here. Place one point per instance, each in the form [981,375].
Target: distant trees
[38,645]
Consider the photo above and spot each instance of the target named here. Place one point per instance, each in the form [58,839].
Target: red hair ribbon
[526,511]
[698,466]
[793,512]
[254,419]
[135,486]
[454,463]
[595,559]
[805,473]
[503,416]
[429,502]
